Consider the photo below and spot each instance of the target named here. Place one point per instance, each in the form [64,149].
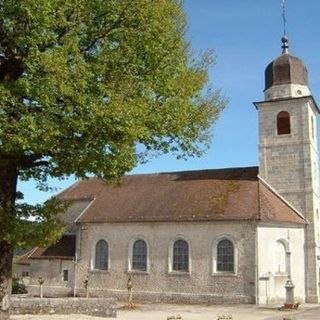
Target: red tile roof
[205,195]
[24,260]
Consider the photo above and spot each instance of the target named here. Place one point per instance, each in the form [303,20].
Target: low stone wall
[101,307]
[50,291]
[172,297]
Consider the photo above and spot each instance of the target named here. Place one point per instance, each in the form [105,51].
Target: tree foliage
[83,83]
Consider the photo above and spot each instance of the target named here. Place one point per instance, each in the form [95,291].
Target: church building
[235,235]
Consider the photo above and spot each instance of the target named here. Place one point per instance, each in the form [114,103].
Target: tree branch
[24,160]
[115,25]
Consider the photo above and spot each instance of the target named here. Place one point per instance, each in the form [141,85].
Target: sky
[245,36]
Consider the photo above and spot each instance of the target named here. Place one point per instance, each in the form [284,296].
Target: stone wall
[51,270]
[200,285]
[93,306]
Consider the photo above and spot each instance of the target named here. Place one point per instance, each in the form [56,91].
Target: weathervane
[285,39]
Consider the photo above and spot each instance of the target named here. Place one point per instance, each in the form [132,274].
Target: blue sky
[246,37]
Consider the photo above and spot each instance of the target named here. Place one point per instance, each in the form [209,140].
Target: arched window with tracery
[283,123]
[101,255]
[180,256]
[225,256]
[139,255]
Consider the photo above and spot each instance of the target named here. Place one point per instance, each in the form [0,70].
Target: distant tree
[91,87]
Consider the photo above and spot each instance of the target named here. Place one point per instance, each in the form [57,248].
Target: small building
[55,265]
[22,269]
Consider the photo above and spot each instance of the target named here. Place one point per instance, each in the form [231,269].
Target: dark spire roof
[286,69]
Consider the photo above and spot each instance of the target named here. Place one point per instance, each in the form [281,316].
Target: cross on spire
[284,39]
[284,19]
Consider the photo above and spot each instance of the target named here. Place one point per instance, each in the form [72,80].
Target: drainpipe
[77,254]
[75,261]
[256,268]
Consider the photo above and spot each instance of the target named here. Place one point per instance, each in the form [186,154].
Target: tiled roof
[24,260]
[205,195]
[64,249]
[274,209]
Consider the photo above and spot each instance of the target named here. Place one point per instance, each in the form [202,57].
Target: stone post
[289,286]
[129,287]
[41,282]
[85,283]
[289,292]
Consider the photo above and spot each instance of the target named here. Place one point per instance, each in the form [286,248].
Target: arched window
[225,256]
[139,255]
[312,127]
[180,256]
[283,123]
[101,255]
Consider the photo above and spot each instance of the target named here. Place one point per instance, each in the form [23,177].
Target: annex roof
[64,249]
[204,195]
[24,259]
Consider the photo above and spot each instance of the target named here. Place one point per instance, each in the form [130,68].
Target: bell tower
[288,150]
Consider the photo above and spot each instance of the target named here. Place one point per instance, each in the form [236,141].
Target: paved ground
[196,312]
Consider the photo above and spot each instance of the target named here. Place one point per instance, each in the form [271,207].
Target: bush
[18,287]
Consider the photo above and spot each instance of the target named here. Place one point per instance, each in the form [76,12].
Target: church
[233,235]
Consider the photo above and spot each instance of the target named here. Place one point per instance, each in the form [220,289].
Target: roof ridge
[68,188]
[168,172]
[84,210]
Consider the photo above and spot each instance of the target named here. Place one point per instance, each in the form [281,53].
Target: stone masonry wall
[94,306]
[200,285]
[52,273]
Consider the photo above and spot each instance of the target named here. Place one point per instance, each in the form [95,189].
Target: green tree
[91,87]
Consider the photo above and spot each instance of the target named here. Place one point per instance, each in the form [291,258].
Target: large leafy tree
[91,87]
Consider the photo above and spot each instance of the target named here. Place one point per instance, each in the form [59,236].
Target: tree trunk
[6,254]
[8,191]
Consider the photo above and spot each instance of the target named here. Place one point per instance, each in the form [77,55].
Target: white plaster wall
[273,291]
[159,284]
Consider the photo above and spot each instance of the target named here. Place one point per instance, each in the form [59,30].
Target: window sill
[99,271]
[283,135]
[224,274]
[138,272]
[179,273]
